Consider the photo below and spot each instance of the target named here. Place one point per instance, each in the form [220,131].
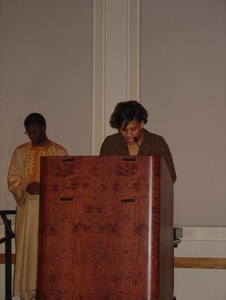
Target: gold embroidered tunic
[25,168]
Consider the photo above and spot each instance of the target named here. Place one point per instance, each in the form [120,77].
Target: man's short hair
[34,119]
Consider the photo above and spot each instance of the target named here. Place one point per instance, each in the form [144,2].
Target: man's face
[36,134]
[132,130]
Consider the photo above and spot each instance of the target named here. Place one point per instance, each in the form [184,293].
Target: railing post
[8,262]
[9,234]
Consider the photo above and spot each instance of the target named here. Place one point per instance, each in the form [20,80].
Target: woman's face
[132,130]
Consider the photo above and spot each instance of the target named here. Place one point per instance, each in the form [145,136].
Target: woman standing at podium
[129,118]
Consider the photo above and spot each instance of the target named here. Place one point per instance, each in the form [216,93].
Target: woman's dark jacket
[152,145]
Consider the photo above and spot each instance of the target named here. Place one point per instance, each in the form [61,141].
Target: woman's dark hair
[126,112]
[34,119]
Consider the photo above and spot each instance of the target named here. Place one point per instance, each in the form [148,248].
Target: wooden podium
[106,229]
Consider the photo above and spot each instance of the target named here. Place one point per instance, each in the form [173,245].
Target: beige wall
[45,66]
[183,64]
[201,284]
[46,59]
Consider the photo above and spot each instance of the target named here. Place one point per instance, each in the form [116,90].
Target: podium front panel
[100,228]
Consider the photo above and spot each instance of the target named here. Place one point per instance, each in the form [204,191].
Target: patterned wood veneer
[101,220]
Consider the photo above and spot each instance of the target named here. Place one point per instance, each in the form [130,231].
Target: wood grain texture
[200,262]
[2,258]
[179,262]
[95,229]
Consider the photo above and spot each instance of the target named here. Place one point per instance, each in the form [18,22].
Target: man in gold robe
[24,184]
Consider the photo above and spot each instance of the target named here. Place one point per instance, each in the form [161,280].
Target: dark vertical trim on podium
[166,234]
[155,228]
